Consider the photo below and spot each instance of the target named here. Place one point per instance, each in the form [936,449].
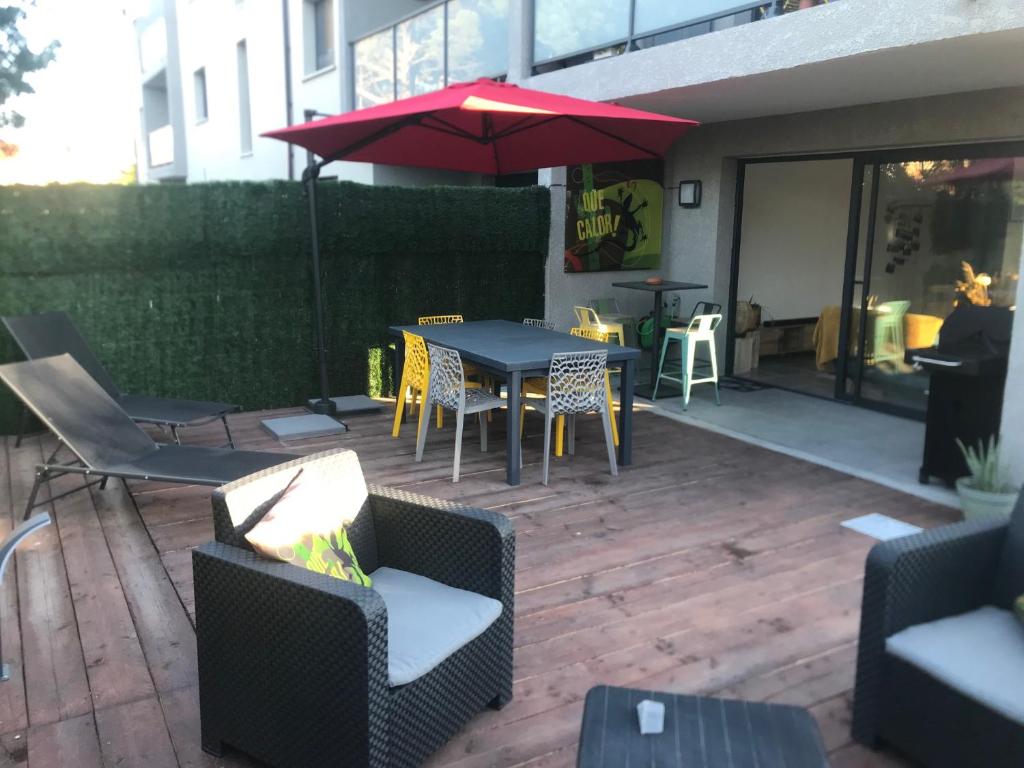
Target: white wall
[1011,433]
[793,249]
[208,35]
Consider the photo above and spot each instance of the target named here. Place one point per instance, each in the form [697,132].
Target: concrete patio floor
[711,565]
[874,446]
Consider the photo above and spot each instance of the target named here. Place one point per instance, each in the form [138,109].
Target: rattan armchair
[946,572]
[293,665]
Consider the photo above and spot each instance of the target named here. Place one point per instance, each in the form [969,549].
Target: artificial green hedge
[204,291]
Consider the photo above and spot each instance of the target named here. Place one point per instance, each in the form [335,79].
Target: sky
[80,124]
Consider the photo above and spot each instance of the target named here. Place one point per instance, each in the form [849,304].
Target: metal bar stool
[700,330]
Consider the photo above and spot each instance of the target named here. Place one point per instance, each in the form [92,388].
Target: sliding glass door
[931,232]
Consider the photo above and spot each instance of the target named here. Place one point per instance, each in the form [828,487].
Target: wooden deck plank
[53,659]
[133,734]
[13,700]
[709,566]
[67,742]
[115,664]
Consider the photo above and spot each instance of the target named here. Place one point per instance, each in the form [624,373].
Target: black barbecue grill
[965,396]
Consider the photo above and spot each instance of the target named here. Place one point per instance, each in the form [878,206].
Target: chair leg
[400,404]
[522,420]
[714,368]
[422,427]
[440,417]
[611,407]
[483,430]
[174,434]
[661,365]
[227,431]
[31,504]
[688,349]
[607,421]
[572,434]
[547,447]
[22,424]
[459,419]
[559,436]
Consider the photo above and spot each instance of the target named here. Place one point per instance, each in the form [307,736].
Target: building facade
[852,154]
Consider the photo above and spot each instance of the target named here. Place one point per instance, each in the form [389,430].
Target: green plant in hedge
[204,291]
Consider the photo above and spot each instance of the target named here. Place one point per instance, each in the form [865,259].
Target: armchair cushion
[979,654]
[428,621]
[300,515]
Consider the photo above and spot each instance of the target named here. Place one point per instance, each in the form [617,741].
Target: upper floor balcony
[835,55]
[571,32]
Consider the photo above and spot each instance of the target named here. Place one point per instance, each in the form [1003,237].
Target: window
[244,110]
[456,41]
[375,69]
[199,86]
[419,54]
[477,39]
[652,15]
[566,27]
[318,19]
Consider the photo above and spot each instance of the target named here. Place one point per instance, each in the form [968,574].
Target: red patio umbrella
[482,127]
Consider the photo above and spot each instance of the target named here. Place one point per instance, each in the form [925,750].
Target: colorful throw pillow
[1018,608]
[300,515]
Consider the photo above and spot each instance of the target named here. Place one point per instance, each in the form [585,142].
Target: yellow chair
[588,318]
[468,368]
[415,380]
[539,386]
[439,319]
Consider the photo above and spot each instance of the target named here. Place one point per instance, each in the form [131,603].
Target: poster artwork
[613,216]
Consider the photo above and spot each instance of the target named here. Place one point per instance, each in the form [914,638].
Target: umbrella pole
[324,405]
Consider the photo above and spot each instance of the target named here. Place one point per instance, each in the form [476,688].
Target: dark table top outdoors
[665,285]
[502,345]
[699,731]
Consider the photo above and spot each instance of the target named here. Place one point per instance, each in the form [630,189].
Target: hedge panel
[204,291]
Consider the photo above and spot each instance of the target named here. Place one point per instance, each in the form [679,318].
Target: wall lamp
[689,193]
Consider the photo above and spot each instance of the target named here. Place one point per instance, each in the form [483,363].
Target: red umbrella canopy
[488,127]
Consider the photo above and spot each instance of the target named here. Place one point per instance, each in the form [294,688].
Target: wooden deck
[709,566]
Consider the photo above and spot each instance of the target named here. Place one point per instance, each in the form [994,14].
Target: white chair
[587,317]
[576,384]
[536,322]
[447,389]
[701,329]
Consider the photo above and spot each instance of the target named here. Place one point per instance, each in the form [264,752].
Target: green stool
[700,330]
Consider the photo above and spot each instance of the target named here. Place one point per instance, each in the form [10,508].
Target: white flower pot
[984,505]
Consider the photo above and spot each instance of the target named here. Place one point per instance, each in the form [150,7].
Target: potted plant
[985,493]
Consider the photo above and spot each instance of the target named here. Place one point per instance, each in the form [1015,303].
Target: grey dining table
[513,351]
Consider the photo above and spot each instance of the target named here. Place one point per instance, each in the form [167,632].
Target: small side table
[645,390]
[699,731]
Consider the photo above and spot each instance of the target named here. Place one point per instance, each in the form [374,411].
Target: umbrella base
[303,427]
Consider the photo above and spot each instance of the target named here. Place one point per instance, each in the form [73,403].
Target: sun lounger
[53,333]
[105,440]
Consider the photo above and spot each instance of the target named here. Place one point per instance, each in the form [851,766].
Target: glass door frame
[861,160]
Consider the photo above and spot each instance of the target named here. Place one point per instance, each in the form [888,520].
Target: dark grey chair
[53,333]
[105,440]
[940,665]
[295,666]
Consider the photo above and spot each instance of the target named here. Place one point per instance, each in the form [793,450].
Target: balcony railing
[161,146]
[570,32]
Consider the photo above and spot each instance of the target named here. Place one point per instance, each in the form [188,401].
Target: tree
[16,61]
